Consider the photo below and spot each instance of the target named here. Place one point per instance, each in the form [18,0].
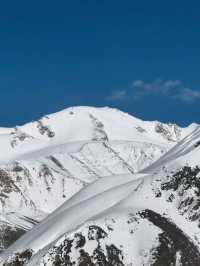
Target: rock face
[169,131]
[99,187]
[8,235]
[172,246]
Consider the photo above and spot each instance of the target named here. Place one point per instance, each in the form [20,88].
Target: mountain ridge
[145,164]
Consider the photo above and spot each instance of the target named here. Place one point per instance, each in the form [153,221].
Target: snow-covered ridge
[92,155]
[116,211]
[84,124]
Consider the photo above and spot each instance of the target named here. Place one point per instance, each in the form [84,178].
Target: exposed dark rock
[8,235]
[20,259]
[187,177]
[197,144]
[172,241]
[99,257]
[99,132]
[181,182]
[18,136]
[114,256]
[43,129]
[53,159]
[7,185]
[102,255]
[46,173]
[164,130]
[165,253]
[140,129]
[96,233]
[80,240]
[85,259]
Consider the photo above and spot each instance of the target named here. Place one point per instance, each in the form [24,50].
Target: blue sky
[140,56]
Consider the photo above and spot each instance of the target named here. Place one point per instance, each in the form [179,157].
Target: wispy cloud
[188,95]
[171,89]
[174,89]
[117,95]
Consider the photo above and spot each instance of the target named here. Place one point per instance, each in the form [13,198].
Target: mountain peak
[91,182]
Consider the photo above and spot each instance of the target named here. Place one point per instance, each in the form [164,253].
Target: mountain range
[96,186]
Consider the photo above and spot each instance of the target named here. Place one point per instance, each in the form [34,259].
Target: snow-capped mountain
[83,124]
[107,189]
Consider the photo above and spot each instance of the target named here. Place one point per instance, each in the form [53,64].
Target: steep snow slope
[151,218]
[36,187]
[45,162]
[85,124]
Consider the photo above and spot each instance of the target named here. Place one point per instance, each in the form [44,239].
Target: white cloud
[138,83]
[171,89]
[117,95]
[168,88]
[188,95]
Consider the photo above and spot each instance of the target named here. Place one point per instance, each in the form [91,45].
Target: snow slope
[45,162]
[123,217]
[84,124]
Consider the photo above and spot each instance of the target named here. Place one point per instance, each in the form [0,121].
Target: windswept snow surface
[77,124]
[97,173]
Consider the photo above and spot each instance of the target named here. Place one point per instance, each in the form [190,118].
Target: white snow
[103,163]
